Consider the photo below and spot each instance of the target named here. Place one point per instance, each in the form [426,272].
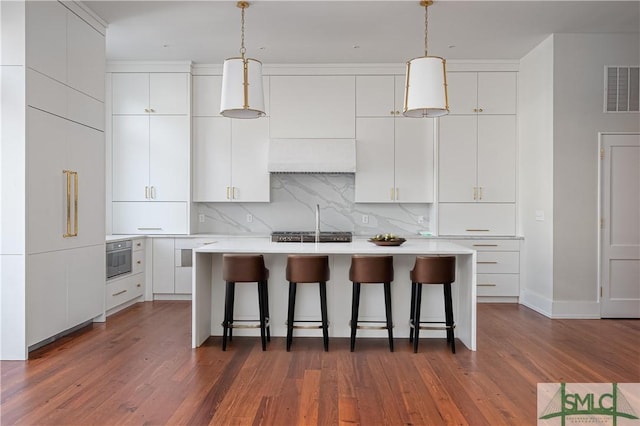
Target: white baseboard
[158,296]
[575,309]
[536,302]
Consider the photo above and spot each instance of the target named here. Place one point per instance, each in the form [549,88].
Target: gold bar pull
[480,193]
[486,285]
[391,195]
[68,174]
[477,230]
[485,245]
[487,263]
[228,197]
[233,193]
[119,293]
[475,193]
[397,194]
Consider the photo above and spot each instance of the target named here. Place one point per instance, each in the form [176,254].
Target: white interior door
[620,233]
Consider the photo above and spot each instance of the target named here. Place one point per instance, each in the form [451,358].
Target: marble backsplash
[292,208]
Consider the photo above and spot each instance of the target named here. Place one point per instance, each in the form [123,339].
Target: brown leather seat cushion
[244,268]
[434,270]
[307,269]
[371,269]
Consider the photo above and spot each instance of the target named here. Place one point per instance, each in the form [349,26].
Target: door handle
[69,174]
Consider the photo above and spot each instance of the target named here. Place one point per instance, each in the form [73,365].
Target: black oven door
[118,258]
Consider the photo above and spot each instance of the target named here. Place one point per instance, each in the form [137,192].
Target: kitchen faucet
[317,223]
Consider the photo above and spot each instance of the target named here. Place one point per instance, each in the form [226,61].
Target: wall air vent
[622,89]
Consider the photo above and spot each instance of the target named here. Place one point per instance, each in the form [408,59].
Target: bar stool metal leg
[387,305]
[232,297]
[263,338]
[325,320]
[290,313]
[228,303]
[412,309]
[416,317]
[265,301]
[355,307]
[449,316]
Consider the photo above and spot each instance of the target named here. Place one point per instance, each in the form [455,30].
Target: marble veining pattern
[292,208]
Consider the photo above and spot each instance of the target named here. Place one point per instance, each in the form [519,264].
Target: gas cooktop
[310,237]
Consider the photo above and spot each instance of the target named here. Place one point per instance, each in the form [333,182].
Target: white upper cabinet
[85,57]
[230,160]
[47,38]
[65,48]
[394,154]
[151,93]
[317,107]
[481,92]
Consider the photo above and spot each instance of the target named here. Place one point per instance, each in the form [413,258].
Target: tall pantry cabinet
[151,149]
[52,174]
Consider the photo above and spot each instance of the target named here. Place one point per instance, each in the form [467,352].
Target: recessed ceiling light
[165,45]
[452,46]
[356,46]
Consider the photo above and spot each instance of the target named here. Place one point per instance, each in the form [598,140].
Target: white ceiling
[299,32]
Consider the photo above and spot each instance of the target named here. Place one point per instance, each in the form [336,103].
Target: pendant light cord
[242,48]
[426,27]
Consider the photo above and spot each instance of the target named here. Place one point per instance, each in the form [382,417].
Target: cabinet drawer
[507,285]
[137,262]
[138,244]
[477,219]
[490,245]
[150,218]
[498,262]
[122,290]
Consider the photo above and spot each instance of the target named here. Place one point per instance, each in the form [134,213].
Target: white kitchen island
[208,288]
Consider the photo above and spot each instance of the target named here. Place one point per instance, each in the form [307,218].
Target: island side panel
[201,298]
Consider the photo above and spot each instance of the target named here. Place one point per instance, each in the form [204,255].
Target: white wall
[535,128]
[579,61]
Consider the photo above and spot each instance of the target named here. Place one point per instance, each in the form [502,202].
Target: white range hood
[312,156]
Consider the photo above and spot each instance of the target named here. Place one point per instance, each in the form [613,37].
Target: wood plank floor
[138,368]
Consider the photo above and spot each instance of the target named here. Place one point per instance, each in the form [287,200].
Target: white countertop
[232,244]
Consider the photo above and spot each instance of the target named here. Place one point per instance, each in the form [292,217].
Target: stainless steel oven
[119,258]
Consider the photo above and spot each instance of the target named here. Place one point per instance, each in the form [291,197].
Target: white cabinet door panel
[46,295]
[374,96]
[85,57]
[462,91]
[497,92]
[163,265]
[497,158]
[498,285]
[250,178]
[480,219]
[122,290]
[85,109]
[169,158]
[86,283]
[489,244]
[169,93]
[374,180]
[211,158]
[457,158]
[312,107]
[498,262]
[207,90]
[46,93]
[46,186]
[47,38]
[150,218]
[130,157]
[414,160]
[130,93]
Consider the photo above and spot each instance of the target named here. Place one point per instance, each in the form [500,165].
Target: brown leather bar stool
[307,269]
[241,268]
[432,270]
[371,270]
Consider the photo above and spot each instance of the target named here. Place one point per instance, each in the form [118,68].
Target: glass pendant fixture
[242,95]
[425,92]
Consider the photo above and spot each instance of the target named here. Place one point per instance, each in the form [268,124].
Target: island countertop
[208,286]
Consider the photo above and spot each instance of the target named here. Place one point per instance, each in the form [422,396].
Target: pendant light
[425,92]
[242,95]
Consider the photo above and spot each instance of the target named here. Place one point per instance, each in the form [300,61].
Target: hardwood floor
[138,368]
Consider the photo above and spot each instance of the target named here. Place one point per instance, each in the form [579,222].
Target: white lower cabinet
[123,291]
[477,219]
[64,290]
[172,266]
[498,268]
[150,217]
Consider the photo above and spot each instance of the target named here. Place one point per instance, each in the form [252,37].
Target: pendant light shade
[425,92]
[242,94]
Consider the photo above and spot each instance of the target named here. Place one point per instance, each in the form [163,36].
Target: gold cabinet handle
[397,112]
[487,263]
[119,293]
[149,229]
[228,196]
[475,110]
[475,193]
[485,245]
[486,285]
[477,230]
[146,110]
[138,244]
[153,110]
[138,285]
[153,192]
[479,110]
[391,195]
[139,262]
[480,197]
[233,193]
[69,174]
[146,192]
[397,194]
[392,112]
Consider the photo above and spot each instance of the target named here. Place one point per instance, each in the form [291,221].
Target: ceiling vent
[622,89]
